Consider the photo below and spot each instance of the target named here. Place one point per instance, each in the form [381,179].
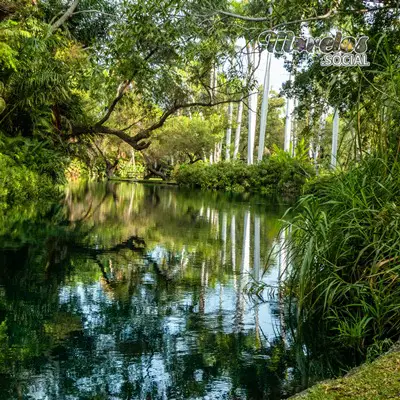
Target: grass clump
[345,252]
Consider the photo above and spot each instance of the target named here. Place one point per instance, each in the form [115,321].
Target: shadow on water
[127,291]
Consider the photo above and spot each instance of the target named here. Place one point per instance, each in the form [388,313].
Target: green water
[126,291]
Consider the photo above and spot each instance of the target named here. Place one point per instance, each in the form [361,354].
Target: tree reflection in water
[128,291]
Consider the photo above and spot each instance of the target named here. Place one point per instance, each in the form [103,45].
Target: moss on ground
[379,380]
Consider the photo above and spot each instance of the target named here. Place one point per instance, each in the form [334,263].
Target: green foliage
[29,169]
[187,138]
[278,173]
[128,170]
[41,74]
[346,254]
[76,169]
[19,183]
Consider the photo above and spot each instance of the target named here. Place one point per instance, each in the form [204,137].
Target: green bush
[128,170]
[76,170]
[274,174]
[29,170]
[19,183]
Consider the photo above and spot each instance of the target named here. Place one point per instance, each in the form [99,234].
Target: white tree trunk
[216,153]
[238,130]
[264,108]
[294,128]
[321,130]
[219,151]
[229,133]
[335,134]
[288,122]
[311,150]
[252,127]
[252,119]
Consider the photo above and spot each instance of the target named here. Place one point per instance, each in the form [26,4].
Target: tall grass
[345,250]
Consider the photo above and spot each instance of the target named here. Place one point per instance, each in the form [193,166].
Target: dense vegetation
[278,173]
[29,170]
[345,251]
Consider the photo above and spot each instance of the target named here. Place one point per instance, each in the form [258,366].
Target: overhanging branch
[139,141]
[331,13]
[65,16]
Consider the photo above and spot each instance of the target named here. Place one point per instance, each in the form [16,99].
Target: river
[131,291]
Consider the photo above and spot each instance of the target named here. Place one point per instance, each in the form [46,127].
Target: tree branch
[133,124]
[65,16]
[120,94]
[329,14]
[243,17]
[145,133]
[94,11]
[138,141]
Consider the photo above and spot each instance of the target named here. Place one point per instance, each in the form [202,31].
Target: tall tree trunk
[238,130]
[288,122]
[264,108]
[311,126]
[252,118]
[321,130]
[335,134]
[294,128]
[229,133]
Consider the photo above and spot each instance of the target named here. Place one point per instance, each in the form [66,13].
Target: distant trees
[71,72]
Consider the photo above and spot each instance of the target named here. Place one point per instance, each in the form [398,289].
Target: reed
[345,254]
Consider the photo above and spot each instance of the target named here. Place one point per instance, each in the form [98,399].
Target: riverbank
[378,380]
[146,181]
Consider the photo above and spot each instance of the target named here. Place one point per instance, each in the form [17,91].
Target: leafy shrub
[19,183]
[274,174]
[29,170]
[76,169]
[130,171]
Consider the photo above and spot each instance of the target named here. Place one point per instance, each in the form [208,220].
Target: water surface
[127,291]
